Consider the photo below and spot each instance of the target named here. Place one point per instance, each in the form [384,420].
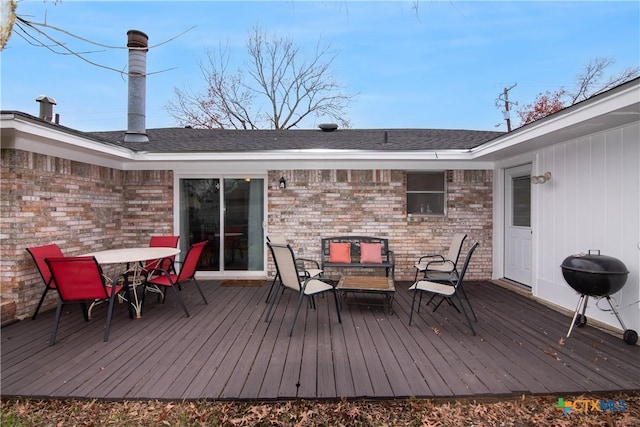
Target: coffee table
[368,284]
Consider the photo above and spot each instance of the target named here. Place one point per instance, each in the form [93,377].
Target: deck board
[225,350]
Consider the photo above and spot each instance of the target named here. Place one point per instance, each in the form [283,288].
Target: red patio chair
[172,280]
[39,254]
[166,263]
[79,280]
[153,264]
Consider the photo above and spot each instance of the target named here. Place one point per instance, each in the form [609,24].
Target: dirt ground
[596,410]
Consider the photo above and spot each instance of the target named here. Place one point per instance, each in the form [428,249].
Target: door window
[521,201]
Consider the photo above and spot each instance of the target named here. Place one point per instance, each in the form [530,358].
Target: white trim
[498,212]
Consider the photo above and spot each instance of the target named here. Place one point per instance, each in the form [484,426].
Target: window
[426,193]
[521,215]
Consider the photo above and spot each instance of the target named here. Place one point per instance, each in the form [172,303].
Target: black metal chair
[306,267]
[441,267]
[446,290]
[290,278]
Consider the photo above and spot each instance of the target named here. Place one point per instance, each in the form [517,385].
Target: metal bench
[360,253]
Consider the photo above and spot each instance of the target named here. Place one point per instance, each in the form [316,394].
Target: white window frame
[426,211]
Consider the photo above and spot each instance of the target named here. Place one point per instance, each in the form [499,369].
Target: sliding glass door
[228,213]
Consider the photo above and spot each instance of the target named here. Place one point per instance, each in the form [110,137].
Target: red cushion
[340,252]
[370,253]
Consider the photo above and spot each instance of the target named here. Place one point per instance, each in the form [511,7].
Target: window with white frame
[426,193]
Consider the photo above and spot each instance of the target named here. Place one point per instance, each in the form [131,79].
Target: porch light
[283,183]
[541,179]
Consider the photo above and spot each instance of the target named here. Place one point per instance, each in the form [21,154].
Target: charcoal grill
[595,275]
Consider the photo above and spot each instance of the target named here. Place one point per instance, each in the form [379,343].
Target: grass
[619,410]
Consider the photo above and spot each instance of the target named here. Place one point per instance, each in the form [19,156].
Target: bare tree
[588,83]
[278,90]
[57,40]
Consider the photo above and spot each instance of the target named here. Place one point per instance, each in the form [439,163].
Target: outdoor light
[541,179]
[283,183]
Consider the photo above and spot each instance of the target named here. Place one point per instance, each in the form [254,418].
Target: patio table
[133,258]
[368,284]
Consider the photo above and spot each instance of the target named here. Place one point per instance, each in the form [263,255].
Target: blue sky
[440,66]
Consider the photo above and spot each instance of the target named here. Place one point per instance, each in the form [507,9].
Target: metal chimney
[138,44]
[46,107]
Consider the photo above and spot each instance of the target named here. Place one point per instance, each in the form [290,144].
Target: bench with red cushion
[357,252]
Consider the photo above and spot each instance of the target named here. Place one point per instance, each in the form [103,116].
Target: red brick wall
[80,207]
[327,203]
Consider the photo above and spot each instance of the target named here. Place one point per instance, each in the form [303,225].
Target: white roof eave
[302,155]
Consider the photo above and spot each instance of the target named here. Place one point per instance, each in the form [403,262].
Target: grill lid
[594,263]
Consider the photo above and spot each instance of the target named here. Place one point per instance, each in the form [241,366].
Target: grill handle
[594,250]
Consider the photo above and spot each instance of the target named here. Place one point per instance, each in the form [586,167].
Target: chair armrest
[440,257]
[306,260]
[444,265]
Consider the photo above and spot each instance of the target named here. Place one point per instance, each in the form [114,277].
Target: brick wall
[80,207]
[84,208]
[323,203]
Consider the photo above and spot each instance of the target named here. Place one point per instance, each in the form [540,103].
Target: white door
[517,232]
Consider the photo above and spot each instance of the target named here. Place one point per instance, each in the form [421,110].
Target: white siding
[592,202]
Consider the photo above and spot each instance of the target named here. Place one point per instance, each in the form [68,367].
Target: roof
[225,140]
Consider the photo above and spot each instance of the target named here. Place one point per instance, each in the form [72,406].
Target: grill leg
[583,298]
[624,328]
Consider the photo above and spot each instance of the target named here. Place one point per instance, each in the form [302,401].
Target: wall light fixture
[541,179]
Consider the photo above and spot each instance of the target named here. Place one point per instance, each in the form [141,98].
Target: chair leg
[273,283]
[295,316]
[451,303]
[469,303]
[200,290]
[274,296]
[44,294]
[413,301]
[85,311]
[465,314]
[335,297]
[52,340]
[179,300]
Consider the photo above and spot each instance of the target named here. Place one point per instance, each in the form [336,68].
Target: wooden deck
[225,350]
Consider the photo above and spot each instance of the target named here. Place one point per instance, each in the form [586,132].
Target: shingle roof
[180,140]
[194,140]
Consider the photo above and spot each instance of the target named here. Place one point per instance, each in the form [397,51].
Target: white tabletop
[122,256]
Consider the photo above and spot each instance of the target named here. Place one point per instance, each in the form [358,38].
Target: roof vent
[46,107]
[328,127]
